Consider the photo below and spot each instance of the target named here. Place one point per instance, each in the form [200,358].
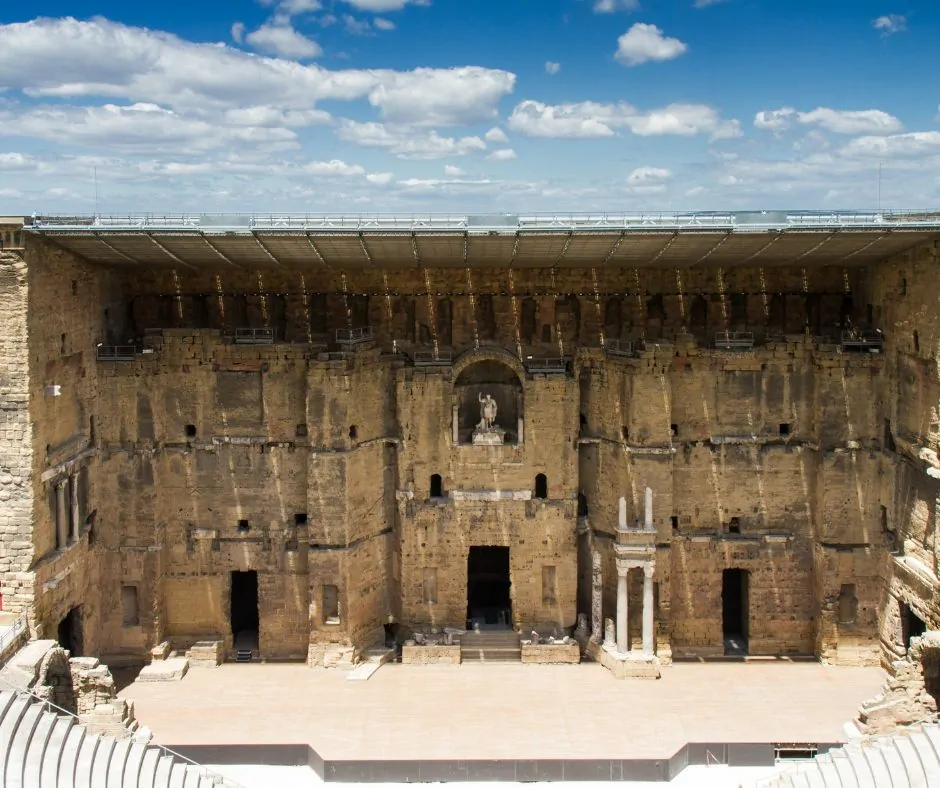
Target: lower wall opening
[734,610]
[69,633]
[488,584]
[244,611]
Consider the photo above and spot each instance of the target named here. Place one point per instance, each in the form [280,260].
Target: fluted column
[597,592]
[623,642]
[61,513]
[648,611]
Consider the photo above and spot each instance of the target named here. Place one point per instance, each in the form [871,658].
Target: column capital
[624,565]
[649,568]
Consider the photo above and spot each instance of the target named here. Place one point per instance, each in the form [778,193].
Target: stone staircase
[494,645]
[906,760]
[40,748]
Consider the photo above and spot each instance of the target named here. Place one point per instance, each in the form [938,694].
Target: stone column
[61,513]
[622,514]
[455,425]
[648,611]
[597,591]
[73,511]
[648,513]
[623,643]
[521,430]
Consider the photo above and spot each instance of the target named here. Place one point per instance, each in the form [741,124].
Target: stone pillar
[648,611]
[73,511]
[623,643]
[622,514]
[521,430]
[648,514]
[597,591]
[455,425]
[61,513]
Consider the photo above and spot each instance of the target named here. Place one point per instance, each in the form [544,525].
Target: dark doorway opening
[488,583]
[70,632]
[734,611]
[244,611]
[912,626]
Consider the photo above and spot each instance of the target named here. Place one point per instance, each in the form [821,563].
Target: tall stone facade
[351,484]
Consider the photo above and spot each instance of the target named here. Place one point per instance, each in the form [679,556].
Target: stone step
[36,752]
[19,748]
[69,757]
[52,757]
[148,768]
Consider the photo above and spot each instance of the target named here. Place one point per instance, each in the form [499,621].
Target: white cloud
[441,97]
[505,154]
[646,175]
[62,59]
[284,41]
[706,3]
[901,146]
[238,32]
[383,24]
[610,6]
[590,119]
[496,136]
[643,43]
[868,121]
[775,120]
[449,170]
[272,116]
[406,142]
[383,6]
[295,7]
[890,24]
[552,68]
[357,27]
[139,127]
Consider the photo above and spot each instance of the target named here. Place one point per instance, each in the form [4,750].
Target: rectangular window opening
[330,605]
[548,585]
[784,428]
[131,614]
[430,585]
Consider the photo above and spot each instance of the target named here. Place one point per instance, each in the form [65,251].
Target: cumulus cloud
[589,119]
[890,24]
[496,136]
[868,121]
[901,146]
[383,24]
[384,6]
[645,175]
[282,40]
[643,43]
[407,142]
[61,58]
[552,68]
[449,170]
[238,32]
[506,154]
[610,6]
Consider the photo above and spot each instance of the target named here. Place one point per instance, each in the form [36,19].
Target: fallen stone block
[172,669]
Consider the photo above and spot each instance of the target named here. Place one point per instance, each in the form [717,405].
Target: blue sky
[360,106]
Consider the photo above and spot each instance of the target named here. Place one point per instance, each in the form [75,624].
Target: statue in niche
[486,432]
[488,410]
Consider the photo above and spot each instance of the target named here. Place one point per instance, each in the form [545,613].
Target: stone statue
[610,633]
[488,410]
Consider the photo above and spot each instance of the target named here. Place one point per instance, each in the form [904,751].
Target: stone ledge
[430,655]
[551,654]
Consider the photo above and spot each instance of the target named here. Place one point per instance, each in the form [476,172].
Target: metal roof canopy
[637,240]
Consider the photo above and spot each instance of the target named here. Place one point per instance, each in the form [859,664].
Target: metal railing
[354,336]
[734,340]
[862,341]
[742,221]
[619,347]
[46,704]
[546,365]
[116,352]
[428,358]
[16,630]
[254,336]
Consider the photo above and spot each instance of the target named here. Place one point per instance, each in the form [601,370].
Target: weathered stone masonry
[801,464]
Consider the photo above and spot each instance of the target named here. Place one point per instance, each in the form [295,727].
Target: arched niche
[482,378]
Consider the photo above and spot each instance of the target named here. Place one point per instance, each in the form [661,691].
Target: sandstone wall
[315,471]
[16,447]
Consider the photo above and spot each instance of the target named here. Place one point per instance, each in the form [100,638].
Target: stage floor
[500,711]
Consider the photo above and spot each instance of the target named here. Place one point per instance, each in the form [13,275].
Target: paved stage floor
[479,711]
